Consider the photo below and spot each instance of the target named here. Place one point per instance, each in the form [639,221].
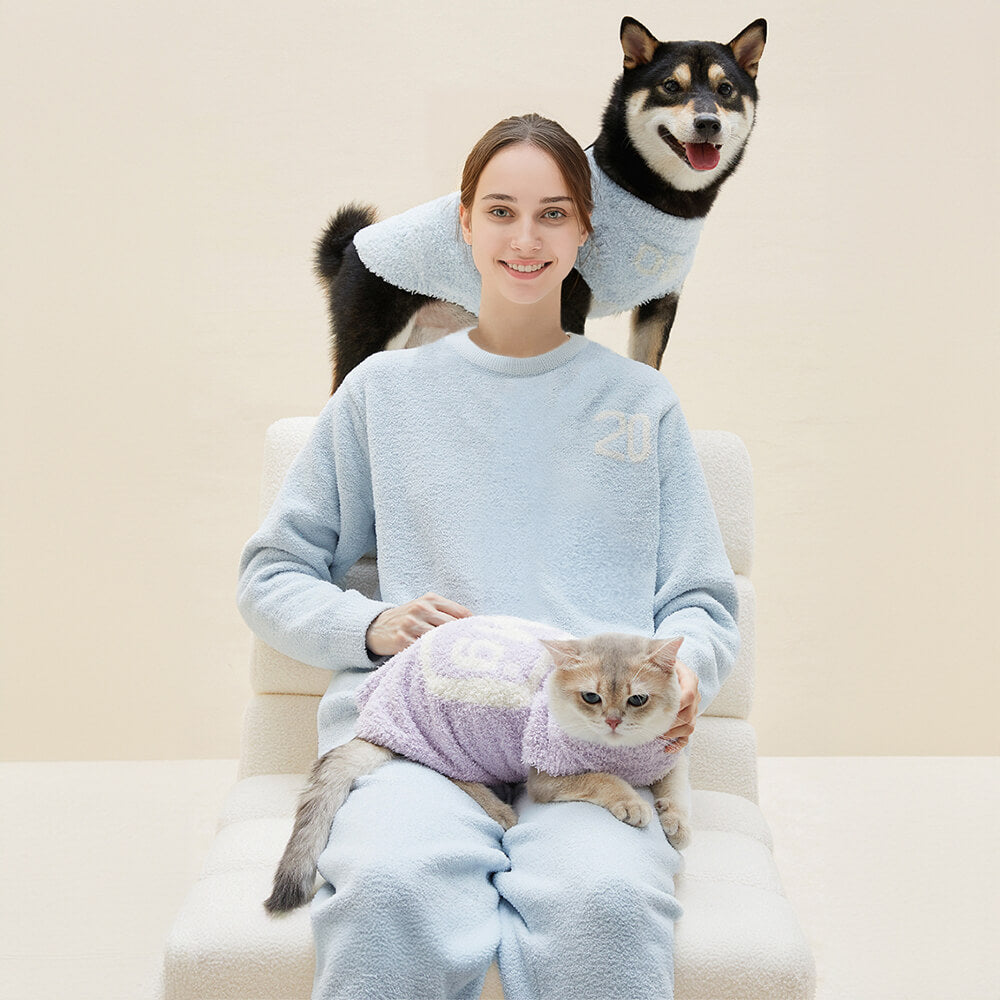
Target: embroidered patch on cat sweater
[636,253]
[469,700]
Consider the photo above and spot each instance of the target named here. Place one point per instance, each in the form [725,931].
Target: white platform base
[889,863]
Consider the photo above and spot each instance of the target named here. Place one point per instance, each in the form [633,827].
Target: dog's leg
[432,322]
[366,312]
[575,302]
[651,323]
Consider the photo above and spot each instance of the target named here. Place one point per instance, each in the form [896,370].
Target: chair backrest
[280,724]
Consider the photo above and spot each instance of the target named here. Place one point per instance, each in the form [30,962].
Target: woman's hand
[396,628]
[690,698]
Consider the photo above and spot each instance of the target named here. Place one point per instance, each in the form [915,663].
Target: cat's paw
[633,810]
[675,826]
[504,815]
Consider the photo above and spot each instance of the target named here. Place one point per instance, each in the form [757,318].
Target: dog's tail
[338,234]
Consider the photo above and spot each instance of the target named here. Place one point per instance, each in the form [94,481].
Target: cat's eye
[638,699]
[591,697]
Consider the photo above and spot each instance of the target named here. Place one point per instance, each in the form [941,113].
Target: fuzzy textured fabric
[562,488]
[469,699]
[636,253]
[724,460]
[739,937]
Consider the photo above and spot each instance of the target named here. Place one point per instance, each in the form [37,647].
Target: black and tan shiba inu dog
[674,129]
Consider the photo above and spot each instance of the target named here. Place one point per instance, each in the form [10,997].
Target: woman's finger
[450,608]
[395,629]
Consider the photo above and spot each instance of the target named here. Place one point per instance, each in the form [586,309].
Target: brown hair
[545,134]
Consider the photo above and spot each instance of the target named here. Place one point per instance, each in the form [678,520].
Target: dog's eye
[591,697]
[725,89]
[671,86]
[638,699]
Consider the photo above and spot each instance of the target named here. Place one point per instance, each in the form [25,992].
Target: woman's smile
[525,270]
[523,224]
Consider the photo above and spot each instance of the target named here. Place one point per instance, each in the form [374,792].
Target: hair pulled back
[545,134]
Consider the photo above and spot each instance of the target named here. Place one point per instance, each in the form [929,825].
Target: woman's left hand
[683,726]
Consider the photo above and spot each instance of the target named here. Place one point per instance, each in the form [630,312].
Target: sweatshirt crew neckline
[506,365]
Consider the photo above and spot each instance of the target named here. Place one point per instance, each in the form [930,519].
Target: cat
[490,700]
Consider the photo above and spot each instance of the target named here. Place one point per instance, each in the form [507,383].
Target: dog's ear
[748,46]
[637,43]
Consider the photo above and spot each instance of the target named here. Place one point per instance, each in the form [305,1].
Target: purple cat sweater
[469,700]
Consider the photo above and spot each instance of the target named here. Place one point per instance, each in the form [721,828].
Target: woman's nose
[526,238]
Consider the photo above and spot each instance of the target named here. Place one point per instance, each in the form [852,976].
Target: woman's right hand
[393,630]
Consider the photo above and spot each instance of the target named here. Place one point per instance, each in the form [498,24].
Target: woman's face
[522,226]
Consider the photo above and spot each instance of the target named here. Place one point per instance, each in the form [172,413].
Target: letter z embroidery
[634,428]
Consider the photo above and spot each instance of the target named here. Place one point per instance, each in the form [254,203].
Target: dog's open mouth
[697,155]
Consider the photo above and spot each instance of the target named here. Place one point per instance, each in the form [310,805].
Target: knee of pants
[595,866]
[404,877]
[405,840]
[620,902]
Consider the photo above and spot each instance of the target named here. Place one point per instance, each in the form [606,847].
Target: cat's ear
[665,654]
[564,652]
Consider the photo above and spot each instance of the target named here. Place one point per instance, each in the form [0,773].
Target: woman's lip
[524,275]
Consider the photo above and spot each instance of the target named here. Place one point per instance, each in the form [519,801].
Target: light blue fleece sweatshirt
[562,488]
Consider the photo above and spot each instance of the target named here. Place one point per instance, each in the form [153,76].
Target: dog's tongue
[702,155]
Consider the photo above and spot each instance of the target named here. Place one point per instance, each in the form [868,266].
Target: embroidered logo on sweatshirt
[629,439]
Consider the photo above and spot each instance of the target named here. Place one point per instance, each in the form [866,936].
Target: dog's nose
[707,125]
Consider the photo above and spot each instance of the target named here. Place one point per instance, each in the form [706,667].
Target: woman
[515,469]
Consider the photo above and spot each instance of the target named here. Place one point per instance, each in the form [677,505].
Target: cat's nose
[612,722]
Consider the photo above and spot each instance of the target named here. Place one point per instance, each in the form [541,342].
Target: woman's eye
[725,89]
[500,213]
[638,699]
[591,697]
[671,86]
[554,213]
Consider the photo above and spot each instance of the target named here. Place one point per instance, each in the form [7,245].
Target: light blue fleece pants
[573,903]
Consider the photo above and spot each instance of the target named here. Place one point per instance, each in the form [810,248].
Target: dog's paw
[633,810]
[675,826]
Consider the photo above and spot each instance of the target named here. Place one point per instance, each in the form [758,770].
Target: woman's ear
[463,218]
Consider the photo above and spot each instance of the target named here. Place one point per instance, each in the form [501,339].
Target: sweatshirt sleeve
[320,524]
[696,590]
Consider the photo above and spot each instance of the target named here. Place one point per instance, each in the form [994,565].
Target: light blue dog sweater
[563,488]
[636,253]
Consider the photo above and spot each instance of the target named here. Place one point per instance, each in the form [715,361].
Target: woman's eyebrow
[508,197]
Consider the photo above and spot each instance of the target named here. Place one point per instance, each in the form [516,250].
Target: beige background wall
[166,167]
